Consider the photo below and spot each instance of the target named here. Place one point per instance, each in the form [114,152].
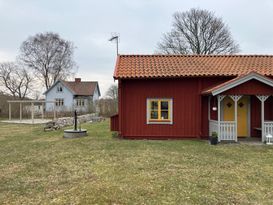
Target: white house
[70,95]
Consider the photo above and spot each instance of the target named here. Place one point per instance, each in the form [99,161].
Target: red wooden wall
[190,108]
[252,87]
[114,123]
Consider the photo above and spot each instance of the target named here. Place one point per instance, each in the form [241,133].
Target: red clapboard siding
[252,87]
[114,123]
[190,109]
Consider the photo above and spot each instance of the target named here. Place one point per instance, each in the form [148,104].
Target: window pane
[154,105]
[154,115]
[164,115]
[164,105]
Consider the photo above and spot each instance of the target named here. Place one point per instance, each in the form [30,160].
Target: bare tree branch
[108,106]
[15,79]
[50,56]
[197,32]
[112,92]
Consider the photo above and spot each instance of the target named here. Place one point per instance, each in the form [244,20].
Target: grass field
[39,167]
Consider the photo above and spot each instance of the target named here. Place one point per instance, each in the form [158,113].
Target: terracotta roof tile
[158,66]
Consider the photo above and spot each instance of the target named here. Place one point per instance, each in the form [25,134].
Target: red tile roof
[85,88]
[160,66]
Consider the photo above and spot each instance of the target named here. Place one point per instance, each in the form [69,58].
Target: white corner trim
[251,76]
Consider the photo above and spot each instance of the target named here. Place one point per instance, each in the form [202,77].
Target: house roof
[238,81]
[84,88]
[162,66]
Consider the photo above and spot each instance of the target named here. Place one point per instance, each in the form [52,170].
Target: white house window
[59,102]
[80,102]
[160,111]
[59,89]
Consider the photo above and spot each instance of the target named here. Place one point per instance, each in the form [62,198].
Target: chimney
[78,80]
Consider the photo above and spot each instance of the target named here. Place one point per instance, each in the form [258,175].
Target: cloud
[141,23]
[6,56]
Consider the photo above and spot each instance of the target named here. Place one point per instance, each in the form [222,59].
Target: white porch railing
[227,129]
[268,128]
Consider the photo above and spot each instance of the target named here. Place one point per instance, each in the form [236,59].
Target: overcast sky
[140,23]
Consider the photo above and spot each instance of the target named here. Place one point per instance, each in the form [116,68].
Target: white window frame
[80,102]
[148,120]
[59,102]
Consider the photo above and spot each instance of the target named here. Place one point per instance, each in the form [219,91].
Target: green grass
[39,167]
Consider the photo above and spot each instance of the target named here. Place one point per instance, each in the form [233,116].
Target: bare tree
[16,80]
[50,56]
[112,92]
[198,32]
[109,105]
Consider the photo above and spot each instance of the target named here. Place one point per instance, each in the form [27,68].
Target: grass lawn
[39,167]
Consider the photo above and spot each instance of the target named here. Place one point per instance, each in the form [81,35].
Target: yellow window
[159,110]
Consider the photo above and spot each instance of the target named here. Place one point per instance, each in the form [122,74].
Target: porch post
[262,98]
[219,99]
[262,118]
[236,98]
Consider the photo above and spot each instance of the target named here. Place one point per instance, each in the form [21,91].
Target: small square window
[159,111]
[59,102]
[80,102]
[59,88]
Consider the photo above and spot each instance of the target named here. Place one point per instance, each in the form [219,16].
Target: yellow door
[242,115]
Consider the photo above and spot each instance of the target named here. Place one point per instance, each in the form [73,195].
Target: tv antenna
[115,37]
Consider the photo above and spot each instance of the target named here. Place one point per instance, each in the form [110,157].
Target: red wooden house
[191,96]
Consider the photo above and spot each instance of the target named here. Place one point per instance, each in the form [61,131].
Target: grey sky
[140,23]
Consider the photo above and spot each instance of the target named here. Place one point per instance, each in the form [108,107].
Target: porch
[228,130]
[241,107]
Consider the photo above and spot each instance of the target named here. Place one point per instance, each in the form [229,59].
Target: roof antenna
[115,36]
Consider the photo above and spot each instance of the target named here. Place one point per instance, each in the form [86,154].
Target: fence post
[9,111]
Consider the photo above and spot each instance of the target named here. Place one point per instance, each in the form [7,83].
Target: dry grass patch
[41,168]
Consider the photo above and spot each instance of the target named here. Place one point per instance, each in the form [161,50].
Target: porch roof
[218,89]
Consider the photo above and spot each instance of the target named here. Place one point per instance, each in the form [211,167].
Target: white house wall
[84,108]
[96,95]
[66,94]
